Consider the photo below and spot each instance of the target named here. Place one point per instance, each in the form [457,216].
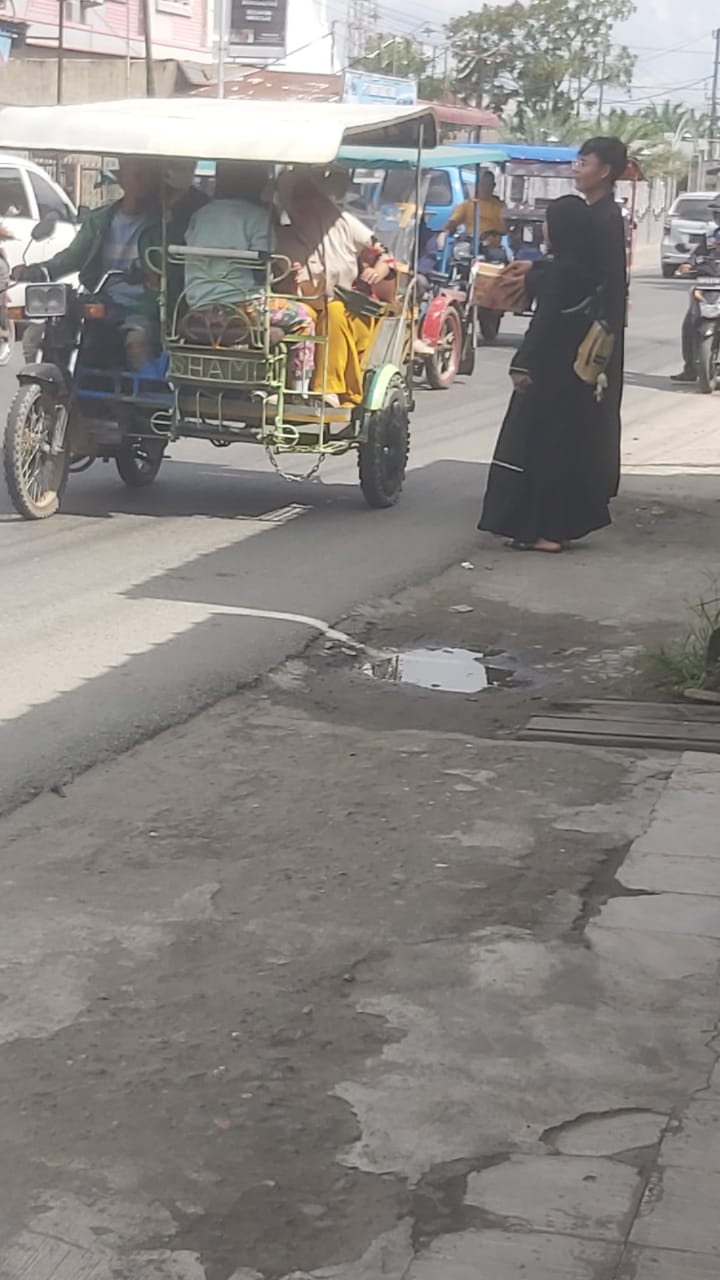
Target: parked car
[447,188]
[686,226]
[27,194]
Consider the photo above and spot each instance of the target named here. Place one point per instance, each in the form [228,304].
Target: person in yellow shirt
[491,210]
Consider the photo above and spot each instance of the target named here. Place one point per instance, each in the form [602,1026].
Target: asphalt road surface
[120,616]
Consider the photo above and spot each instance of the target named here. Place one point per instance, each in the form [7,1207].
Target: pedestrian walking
[601,163]
[544,489]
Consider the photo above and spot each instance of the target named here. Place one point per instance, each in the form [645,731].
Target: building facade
[104,44]
[181,29]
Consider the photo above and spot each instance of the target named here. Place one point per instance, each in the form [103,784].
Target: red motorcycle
[447,326]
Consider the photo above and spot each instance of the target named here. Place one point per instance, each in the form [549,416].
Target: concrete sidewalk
[395,1027]
[631,1194]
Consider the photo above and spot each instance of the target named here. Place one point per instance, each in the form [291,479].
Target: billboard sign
[10,33]
[367,88]
[258,28]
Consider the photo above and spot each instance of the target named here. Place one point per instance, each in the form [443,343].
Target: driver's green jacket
[83,256]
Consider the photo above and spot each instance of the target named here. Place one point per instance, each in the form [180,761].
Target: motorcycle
[705,314]
[447,323]
[78,367]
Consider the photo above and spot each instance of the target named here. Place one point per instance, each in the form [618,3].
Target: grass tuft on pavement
[691,664]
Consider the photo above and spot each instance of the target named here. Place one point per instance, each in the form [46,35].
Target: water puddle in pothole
[450,670]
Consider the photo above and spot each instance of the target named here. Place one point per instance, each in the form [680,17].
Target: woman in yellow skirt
[329,250]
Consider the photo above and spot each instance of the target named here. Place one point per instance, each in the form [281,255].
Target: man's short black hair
[609,151]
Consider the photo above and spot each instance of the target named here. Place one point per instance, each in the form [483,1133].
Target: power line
[404,22]
[714,99]
[661,91]
[656,53]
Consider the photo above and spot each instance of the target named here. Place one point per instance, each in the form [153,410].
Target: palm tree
[655,135]
[542,128]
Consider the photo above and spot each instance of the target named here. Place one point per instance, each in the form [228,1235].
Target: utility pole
[149,61]
[222,44]
[603,73]
[362,17]
[714,100]
[61,51]
[128,51]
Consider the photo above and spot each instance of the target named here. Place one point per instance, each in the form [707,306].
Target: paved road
[117,616]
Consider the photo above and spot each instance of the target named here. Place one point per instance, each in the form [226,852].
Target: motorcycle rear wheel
[442,367]
[489,325]
[138,462]
[708,364]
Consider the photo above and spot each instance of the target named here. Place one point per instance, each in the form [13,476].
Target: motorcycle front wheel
[708,364]
[34,474]
[441,367]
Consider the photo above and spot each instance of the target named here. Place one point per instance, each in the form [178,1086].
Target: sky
[674,50]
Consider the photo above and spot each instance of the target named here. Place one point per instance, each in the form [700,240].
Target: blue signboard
[9,33]
[366,87]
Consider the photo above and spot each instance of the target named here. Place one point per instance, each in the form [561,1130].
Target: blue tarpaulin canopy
[545,154]
[462,156]
[550,159]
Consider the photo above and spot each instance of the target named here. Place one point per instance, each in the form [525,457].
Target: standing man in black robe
[601,163]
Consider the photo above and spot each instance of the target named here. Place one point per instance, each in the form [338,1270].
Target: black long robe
[543,480]
[611,255]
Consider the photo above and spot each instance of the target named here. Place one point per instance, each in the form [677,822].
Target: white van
[26,195]
[686,226]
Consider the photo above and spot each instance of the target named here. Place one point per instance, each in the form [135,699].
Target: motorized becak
[225,384]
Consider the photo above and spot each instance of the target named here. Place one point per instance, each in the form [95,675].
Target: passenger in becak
[222,288]
[332,250]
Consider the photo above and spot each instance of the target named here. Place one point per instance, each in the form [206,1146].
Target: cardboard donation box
[499,288]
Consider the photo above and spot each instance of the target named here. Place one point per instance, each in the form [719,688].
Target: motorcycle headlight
[462,251]
[44,301]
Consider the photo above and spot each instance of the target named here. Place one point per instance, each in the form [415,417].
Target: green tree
[543,58]
[540,128]
[390,55]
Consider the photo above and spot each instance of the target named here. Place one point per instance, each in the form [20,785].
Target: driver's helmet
[714,210]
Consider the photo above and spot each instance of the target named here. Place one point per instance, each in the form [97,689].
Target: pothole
[449,670]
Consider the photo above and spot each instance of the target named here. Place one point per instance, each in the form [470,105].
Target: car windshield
[693,211]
